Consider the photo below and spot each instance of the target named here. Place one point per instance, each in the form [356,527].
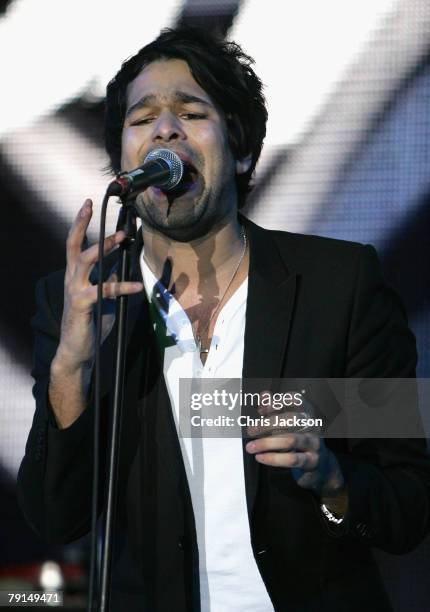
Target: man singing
[258,523]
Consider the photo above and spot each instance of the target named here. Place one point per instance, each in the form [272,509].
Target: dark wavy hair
[222,69]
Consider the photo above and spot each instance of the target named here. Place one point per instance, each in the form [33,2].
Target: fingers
[113,290]
[77,233]
[86,259]
[80,294]
[291,451]
[79,263]
[292,442]
[284,423]
[83,300]
[307,461]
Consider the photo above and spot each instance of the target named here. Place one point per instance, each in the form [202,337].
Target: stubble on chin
[186,223]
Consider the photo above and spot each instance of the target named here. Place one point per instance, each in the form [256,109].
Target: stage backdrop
[347,155]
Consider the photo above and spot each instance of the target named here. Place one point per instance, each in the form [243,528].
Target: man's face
[166,108]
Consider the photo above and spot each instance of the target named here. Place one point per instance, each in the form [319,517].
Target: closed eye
[193,116]
[142,121]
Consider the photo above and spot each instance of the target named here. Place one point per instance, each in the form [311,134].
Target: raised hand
[75,351]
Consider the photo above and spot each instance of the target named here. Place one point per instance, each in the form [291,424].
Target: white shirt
[229,577]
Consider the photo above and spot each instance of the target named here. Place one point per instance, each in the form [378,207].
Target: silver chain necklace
[198,337]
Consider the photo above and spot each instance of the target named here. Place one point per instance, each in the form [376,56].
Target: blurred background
[347,155]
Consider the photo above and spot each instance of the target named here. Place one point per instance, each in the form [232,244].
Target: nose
[167,127]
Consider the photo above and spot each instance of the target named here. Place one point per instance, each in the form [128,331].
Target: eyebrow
[178,96]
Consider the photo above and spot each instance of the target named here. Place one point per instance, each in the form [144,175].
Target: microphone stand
[127,223]
[164,167]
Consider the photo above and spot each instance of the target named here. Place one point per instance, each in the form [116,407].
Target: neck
[190,262]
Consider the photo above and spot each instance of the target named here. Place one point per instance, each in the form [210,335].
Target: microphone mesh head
[175,164]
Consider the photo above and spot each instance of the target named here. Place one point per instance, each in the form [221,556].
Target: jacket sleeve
[388,479]
[55,476]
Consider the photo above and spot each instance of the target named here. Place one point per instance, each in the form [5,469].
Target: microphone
[161,168]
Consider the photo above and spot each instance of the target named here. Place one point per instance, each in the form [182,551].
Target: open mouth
[189,178]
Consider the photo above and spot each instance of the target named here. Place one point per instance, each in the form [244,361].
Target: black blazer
[316,308]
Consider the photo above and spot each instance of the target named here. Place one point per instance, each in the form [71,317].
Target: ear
[244,164]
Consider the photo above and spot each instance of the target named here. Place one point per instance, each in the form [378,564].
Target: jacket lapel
[270,304]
